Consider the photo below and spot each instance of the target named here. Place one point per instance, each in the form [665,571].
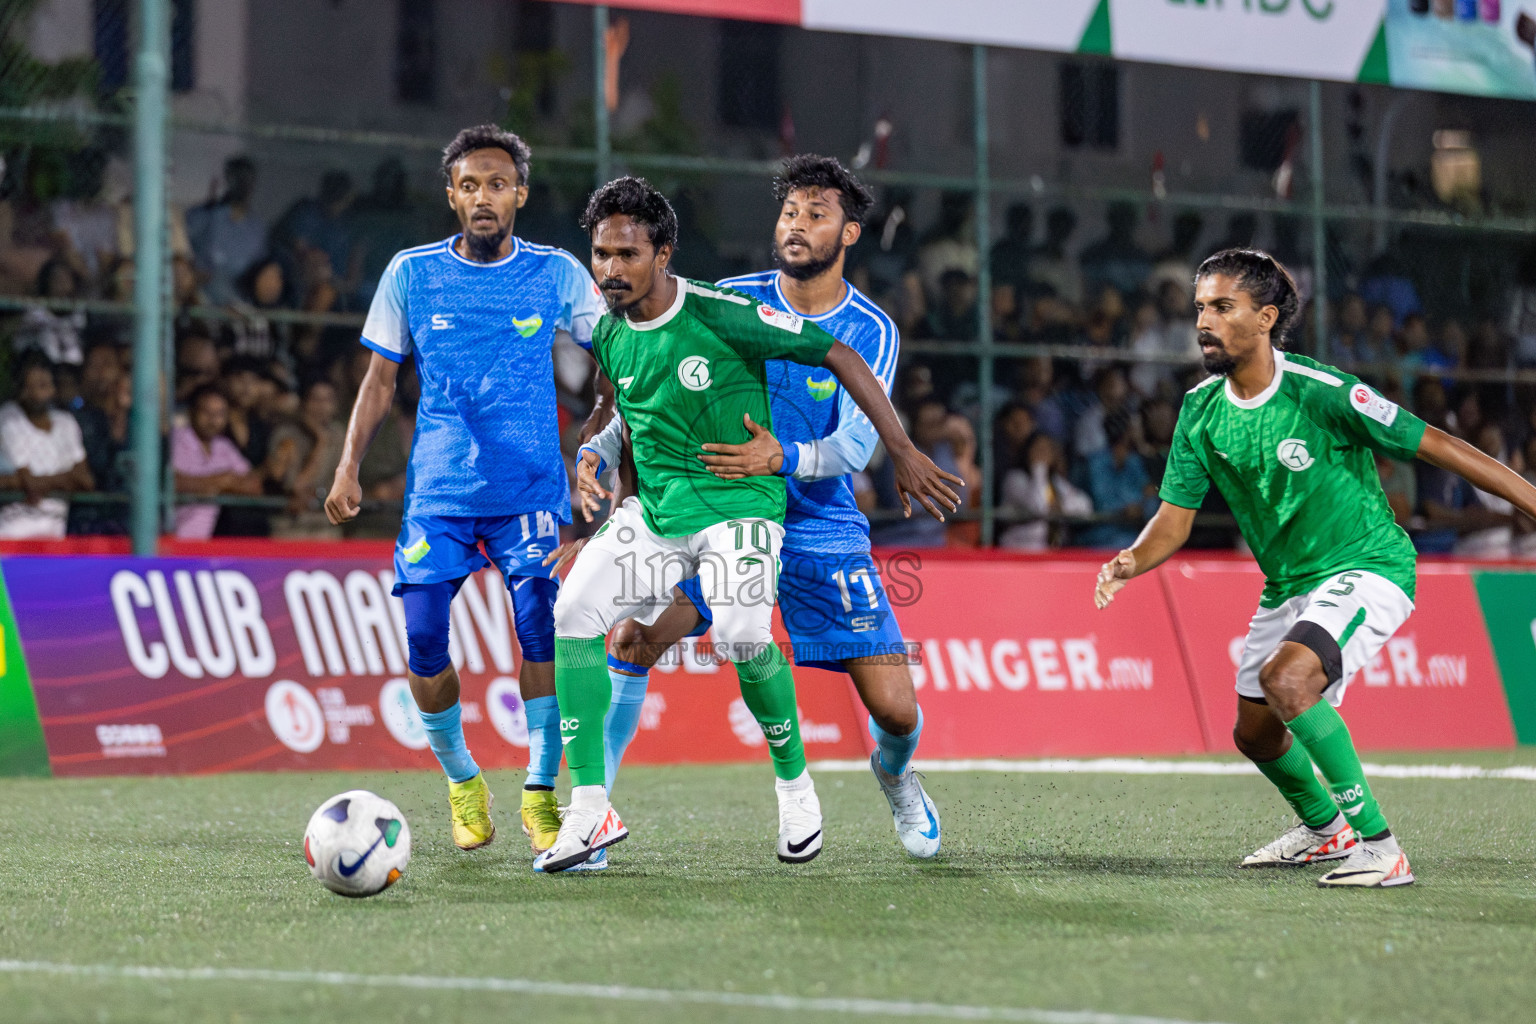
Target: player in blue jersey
[477,313]
[830,595]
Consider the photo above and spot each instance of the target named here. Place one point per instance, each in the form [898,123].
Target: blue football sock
[623,718]
[445,734]
[543,716]
[896,751]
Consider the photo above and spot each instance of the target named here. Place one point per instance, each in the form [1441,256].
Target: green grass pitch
[1117,895]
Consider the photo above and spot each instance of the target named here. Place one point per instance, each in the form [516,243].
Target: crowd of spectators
[1081,430]
[258,397]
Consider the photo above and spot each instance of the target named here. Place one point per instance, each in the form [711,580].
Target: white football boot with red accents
[590,824]
[1305,845]
[1372,864]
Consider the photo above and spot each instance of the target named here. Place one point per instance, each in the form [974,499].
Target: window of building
[416,52]
[1088,105]
[748,75]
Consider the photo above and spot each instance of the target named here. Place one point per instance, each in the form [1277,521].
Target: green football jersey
[1295,463]
[684,380]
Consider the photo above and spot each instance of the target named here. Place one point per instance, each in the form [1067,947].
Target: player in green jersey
[1289,444]
[687,365]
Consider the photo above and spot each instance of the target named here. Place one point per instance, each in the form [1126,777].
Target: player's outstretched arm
[373,401]
[1480,470]
[1160,538]
[916,475]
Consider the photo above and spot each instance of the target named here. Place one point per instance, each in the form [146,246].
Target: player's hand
[564,554]
[917,477]
[345,500]
[761,456]
[1112,576]
[592,493]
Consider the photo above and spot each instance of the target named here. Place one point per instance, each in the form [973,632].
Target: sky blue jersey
[487,437]
[825,434]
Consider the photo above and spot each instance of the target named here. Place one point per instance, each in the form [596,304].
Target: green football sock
[1293,776]
[584,691]
[1326,738]
[768,687]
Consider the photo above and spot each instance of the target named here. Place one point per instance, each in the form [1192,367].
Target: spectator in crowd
[105,422]
[41,455]
[1159,418]
[1111,398]
[57,336]
[1386,283]
[1051,271]
[1489,523]
[1118,483]
[101,370]
[1117,259]
[305,454]
[1169,333]
[1176,264]
[197,363]
[1010,254]
[314,238]
[1521,321]
[935,432]
[207,464]
[1349,333]
[85,226]
[1012,429]
[1037,489]
[950,245]
[225,234]
[262,288]
[385,224]
[1038,391]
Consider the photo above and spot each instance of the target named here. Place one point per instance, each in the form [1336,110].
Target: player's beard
[486,248]
[820,261]
[1219,362]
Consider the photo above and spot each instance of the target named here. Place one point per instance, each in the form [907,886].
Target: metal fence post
[1319,226]
[602,143]
[151,79]
[985,358]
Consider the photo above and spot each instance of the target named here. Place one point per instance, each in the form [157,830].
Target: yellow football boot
[541,818]
[471,803]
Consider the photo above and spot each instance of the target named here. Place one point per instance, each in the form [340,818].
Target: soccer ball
[357,843]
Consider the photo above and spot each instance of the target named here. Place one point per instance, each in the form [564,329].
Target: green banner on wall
[22,749]
[1509,609]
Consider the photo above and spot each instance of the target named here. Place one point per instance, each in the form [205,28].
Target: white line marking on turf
[1137,766]
[616,993]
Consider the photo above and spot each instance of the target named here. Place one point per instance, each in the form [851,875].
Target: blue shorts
[435,548]
[834,608]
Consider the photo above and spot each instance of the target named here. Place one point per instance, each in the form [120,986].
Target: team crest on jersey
[528,326]
[779,318]
[693,373]
[1294,455]
[1369,404]
[820,390]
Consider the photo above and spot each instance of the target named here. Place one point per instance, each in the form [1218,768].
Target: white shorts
[1360,610]
[628,571]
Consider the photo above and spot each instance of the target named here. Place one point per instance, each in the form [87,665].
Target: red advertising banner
[1017,662]
[1434,686]
[230,663]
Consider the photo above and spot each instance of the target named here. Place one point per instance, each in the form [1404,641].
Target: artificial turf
[1061,892]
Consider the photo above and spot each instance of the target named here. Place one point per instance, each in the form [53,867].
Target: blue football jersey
[487,437]
[811,410]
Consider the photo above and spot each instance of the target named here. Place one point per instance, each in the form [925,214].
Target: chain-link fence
[1037,259]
